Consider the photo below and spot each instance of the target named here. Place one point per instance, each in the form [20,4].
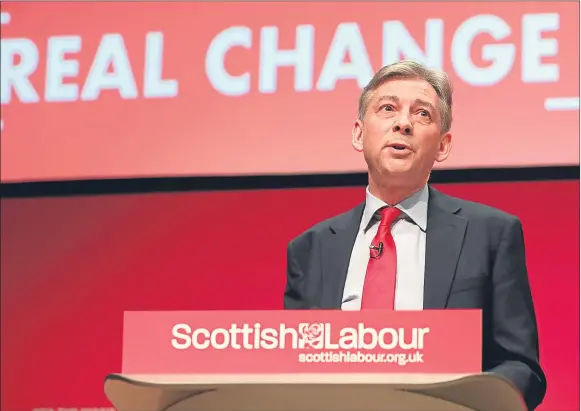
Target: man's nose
[403,125]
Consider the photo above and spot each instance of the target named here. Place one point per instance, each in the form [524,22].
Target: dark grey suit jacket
[475,259]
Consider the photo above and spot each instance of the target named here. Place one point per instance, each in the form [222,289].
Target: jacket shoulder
[474,210]
[477,212]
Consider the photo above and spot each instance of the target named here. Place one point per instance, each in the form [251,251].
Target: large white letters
[111,52]
[58,68]
[398,42]
[15,75]
[346,42]
[220,79]
[501,56]
[349,58]
[154,86]
[301,58]
[534,48]
[110,70]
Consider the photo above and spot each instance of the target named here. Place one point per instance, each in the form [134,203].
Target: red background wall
[201,131]
[71,266]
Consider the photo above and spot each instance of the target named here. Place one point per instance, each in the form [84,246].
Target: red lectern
[306,360]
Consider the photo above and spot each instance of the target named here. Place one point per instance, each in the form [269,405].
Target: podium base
[312,392]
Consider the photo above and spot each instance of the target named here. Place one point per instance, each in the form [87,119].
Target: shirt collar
[415,207]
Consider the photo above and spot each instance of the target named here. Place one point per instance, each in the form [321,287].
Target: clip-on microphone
[378,249]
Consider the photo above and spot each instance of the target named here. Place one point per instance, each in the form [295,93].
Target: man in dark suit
[411,247]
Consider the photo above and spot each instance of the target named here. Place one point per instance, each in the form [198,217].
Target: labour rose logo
[312,335]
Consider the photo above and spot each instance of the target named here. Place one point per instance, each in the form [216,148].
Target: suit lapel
[337,245]
[444,238]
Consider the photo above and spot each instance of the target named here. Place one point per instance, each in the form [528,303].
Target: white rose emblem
[312,334]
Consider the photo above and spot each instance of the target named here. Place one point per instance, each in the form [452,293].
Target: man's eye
[424,113]
[387,107]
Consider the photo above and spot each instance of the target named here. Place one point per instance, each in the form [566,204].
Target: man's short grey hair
[408,69]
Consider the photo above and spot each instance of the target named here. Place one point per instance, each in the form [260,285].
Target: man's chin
[396,170]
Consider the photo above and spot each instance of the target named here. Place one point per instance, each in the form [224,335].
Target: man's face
[400,135]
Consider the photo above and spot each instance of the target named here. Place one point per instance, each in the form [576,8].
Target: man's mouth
[399,147]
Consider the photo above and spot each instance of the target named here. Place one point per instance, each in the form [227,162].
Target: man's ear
[444,148]
[357,135]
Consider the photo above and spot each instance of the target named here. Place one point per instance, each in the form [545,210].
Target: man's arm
[294,298]
[514,328]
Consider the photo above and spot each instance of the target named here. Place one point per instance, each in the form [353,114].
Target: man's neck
[393,194]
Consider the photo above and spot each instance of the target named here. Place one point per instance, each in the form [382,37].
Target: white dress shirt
[409,234]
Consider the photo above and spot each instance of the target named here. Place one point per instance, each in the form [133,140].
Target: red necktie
[379,286]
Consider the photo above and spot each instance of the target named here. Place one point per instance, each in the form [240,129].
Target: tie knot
[388,215]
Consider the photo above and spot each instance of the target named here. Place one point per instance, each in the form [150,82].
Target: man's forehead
[406,89]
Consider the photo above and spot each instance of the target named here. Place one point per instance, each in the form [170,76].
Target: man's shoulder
[476,211]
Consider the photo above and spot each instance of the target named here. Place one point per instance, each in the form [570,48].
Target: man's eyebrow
[388,97]
[424,103]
